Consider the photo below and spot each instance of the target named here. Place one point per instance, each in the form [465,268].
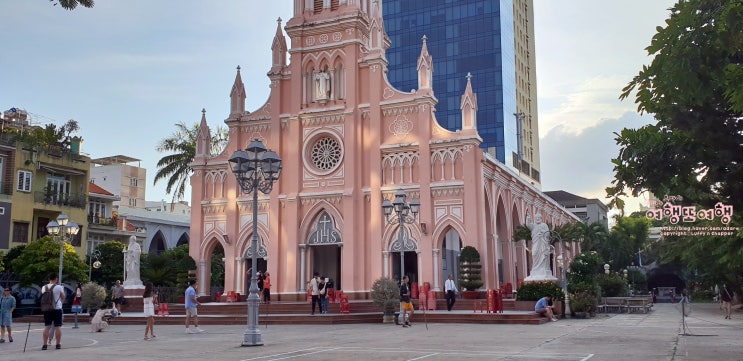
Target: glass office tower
[475,36]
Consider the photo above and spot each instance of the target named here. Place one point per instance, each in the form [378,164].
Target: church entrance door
[326,260]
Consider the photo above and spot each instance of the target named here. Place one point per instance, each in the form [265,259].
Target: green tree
[112,263]
[12,254]
[694,89]
[592,235]
[628,235]
[72,4]
[41,257]
[176,166]
[168,268]
[470,269]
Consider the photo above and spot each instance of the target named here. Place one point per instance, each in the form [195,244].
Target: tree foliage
[72,4]
[694,89]
[169,268]
[41,257]
[470,269]
[112,263]
[176,166]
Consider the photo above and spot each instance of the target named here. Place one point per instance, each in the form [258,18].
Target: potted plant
[386,295]
[582,304]
[93,296]
[470,270]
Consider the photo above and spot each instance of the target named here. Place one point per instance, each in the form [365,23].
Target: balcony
[101,221]
[63,200]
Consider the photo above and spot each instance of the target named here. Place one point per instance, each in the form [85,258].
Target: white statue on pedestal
[132,263]
[540,250]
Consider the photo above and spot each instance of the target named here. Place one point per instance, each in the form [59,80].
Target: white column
[202,278]
[386,263]
[302,267]
[436,252]
[239,271]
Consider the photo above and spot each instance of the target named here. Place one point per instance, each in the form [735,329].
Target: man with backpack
[52,297]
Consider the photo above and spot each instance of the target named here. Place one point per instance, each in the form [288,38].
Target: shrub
[93,295]
[533,291]
[585,287]
[385,293]
[612,285]
[585,267]
[583,302]
[470,269]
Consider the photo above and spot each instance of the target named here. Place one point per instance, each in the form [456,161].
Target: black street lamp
[63,229]
[403,210]
[256,169]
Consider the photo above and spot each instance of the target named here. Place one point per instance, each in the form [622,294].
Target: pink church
[349,141]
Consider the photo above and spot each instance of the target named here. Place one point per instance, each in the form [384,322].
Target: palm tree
[176,167]
[72,4]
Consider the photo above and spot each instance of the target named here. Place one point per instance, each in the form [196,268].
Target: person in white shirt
[451,292]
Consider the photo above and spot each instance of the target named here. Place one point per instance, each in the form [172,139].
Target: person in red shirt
[267,288]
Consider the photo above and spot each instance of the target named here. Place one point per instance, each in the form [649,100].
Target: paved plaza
[652,336]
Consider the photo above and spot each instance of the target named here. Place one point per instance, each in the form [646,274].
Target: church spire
[203,138]
[469,106]
[279,48]
[237,95]
[425,67]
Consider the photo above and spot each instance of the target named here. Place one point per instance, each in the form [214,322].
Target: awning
[61,170]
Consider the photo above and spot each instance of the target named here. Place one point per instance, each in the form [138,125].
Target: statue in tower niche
[322,85]
[132,263]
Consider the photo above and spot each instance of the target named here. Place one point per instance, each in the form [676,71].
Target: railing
[61,199]
[101,221]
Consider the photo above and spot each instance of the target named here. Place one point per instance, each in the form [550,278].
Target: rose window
[326,154]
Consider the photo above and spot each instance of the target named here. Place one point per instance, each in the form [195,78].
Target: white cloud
[584,106]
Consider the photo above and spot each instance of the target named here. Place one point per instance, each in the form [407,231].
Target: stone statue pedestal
[541,276]
[134,300]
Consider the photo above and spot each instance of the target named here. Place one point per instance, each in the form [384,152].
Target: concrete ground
[658,335]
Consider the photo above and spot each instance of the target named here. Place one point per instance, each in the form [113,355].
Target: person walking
[191,303]
[117,296]
[149,298]
[7,305]
[259,280]
[407,306]
[53,316]
[314,283]
[322,291]
[727,302]
[267,288]
[451,292]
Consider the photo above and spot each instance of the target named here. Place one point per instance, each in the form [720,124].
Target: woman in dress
[149,299]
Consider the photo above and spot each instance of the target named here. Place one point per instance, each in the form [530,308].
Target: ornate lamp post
[256,169]
[561,263]
[403,210]
[93,264]
[63,229]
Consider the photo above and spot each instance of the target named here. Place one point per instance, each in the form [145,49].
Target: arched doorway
[183,239]
[262,261]
[404,244]
[451,246]
[325,244]
[157,245]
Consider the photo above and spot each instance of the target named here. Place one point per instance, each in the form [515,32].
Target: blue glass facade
[464,36]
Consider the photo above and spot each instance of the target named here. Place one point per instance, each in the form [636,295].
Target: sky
[127,71]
